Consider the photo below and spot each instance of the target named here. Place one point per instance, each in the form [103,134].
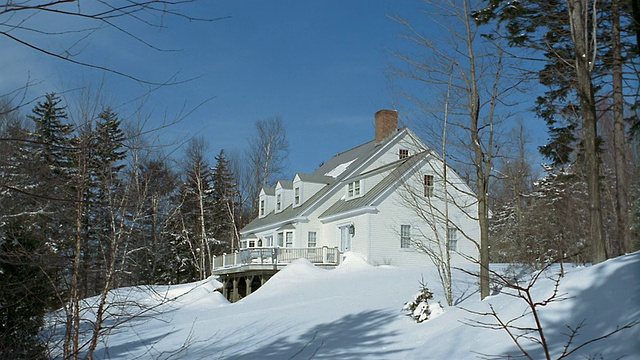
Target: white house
[384,200]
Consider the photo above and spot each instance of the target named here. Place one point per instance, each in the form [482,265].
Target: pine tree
[52,136]
[27,292]
[52,159]
[104,148]
[223,194]
[28,267]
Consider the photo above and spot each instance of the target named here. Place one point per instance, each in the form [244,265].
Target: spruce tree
[223,193]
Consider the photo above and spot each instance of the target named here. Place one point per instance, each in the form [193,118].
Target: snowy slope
[354,312]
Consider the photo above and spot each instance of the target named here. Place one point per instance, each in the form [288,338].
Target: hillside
[354,312]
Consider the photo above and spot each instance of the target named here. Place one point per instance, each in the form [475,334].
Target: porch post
[325,254]
[224,259]
[235,290]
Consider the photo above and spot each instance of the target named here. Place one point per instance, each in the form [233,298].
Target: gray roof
[286,184]
[357,156]
[315,178]
[401,167]
[269,191]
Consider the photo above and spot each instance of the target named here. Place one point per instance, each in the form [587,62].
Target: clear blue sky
[320,65]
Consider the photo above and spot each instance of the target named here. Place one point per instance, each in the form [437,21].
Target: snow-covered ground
[354,312]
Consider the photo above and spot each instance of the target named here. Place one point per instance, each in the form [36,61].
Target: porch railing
[277,256]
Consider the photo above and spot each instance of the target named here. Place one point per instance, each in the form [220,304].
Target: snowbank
[354,312]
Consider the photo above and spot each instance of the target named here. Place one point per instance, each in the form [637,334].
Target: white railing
[277,256]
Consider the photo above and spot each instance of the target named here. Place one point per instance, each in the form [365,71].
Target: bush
[419,308]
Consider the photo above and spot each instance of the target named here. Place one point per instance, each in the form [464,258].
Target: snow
[335,172]
[355,312]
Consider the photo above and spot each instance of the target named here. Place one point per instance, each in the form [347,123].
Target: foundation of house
[241,284]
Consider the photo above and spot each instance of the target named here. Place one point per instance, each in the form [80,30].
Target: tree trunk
[584,46]
[480,158]
[622,243]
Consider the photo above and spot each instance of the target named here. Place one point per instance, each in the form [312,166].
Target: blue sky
[319,65]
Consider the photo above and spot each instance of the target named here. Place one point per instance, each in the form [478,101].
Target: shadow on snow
[351,337]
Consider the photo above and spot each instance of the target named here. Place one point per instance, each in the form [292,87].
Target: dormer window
[353,189]
[403,154]
[296,197]
[261,207]
[278,202]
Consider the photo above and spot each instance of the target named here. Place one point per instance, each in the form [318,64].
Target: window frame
[428,182]
[278,202]
[296,196]
[452,238]
[262,207]
[405,236]
[315,239]
[403,154]
[354,189]
[288,239]
[280,239]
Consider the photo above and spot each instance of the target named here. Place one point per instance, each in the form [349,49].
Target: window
[428,185]
[289,236]
[279,202]
[353,189]
[312,239]
[297,196]
[452,237]
[405,236]
[243,244]
[403,154]
[252,243]
[261,207]
[280,240]
[268,241]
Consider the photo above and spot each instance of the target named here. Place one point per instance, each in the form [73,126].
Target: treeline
[541,213]
[87,205]
[584,56]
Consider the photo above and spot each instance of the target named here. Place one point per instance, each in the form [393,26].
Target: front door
[345,239]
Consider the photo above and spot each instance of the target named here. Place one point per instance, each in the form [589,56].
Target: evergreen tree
[223,194]
[52,136]
[104,148]
[585,44]
[27,292]
[27,265]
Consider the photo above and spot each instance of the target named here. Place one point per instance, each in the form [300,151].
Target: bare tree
[433,210]
[71,24]
[197,205]
[267,155]
[478,92]
[527,329]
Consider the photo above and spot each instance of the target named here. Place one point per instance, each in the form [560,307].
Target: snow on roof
[335,172]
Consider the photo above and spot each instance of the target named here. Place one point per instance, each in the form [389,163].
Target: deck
[246,270]
[272,259]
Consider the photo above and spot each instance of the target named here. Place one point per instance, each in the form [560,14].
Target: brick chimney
[386,123]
